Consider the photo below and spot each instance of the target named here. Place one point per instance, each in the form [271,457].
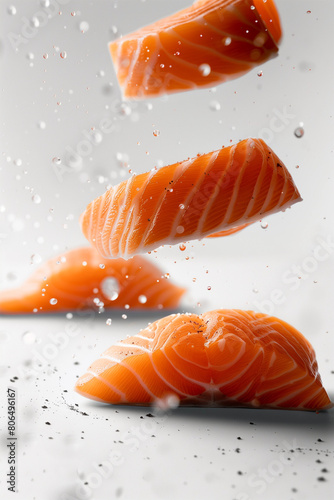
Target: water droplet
[56,160]
[182,247]
[73,14]
[100,73]
[299,132]
[30,56]
[102,266]
[214,105]
[18,162]
[227,41]
[162,66]
[172,401]
[72,160]
[124,316]
[63,54]
[35,258]
[97,137]
[41,125]
[29,337]
[209,287]
[260,39]
[45,3]
[45,56]
[12,10]
[166,403]
[110,288]
[35,22]
[84,263]
[108,322]
[142,299]
[205,69]
[260,73]
[53,301]
[181,206]
[36,198]
[264,224]
[255,290]
[124,109]
[83,26]
[180,229]
[156,133]
[69,316]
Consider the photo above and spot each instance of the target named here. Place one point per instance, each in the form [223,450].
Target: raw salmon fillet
[82,279]
[215,194]
[208,43]
[220,358]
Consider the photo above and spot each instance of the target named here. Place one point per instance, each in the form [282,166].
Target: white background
[193,452]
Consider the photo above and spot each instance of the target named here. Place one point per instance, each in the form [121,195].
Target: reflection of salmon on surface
[81,279]
[214,194]
[208,43]
[220,358]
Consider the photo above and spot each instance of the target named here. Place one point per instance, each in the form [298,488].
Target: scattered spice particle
[47,423]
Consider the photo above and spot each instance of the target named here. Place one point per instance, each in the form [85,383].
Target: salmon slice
[215,194]
[220,358]
[82,279]
[210,42]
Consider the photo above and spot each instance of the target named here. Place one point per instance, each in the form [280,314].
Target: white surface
[193,452]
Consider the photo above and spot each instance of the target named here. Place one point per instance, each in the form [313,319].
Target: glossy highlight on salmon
[214,195]
[220,358]
[82,279]
[206,44]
